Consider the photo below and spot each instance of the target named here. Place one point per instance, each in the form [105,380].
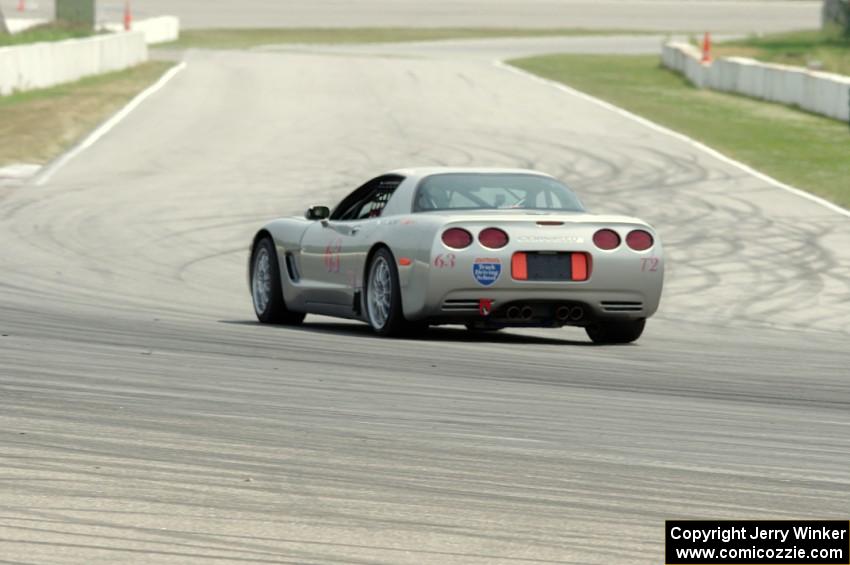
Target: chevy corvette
[485,248]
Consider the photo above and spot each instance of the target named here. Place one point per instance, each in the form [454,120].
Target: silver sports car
[487,248]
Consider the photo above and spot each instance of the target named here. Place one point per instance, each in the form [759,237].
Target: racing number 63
[446,261]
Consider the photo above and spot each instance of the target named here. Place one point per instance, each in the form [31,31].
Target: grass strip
[55,31]
[38,125]
[827,50]
[801,149]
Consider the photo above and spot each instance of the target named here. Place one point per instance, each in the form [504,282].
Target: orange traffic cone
[128,16]
[706,48]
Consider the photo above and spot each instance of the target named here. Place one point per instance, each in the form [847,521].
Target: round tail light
[494,238]
[606,239]
[639,240]
[457,238]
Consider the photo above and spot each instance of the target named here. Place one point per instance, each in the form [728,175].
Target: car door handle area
[354,230]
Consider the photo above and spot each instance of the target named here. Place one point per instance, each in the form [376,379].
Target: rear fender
[410,239]
[286,235]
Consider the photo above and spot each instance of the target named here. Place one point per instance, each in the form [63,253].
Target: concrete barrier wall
[40,65]
[821,93]
[157,30]
[17,25]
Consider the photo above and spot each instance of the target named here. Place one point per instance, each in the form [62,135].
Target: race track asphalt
[146,418]
[665,15]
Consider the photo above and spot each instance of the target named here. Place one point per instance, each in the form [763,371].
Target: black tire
[270,309]
[615,332]
[387,320]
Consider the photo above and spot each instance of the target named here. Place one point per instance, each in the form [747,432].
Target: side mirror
[318,213]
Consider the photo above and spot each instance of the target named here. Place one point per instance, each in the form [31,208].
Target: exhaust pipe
[513,312]
[577,314]
[527,312]
[562,313]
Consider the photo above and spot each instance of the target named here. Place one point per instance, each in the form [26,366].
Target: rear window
[477,191]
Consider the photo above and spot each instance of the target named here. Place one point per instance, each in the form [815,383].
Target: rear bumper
[597,304]
[623,284]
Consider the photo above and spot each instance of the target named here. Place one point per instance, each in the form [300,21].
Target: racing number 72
[649,264]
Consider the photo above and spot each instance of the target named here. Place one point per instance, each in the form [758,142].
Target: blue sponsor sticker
[486,270]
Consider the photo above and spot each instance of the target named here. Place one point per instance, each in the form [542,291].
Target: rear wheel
[266,290]
[613,332]
[383,297]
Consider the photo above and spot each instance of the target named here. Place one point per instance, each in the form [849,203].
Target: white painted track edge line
[680,136]
[52,168]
